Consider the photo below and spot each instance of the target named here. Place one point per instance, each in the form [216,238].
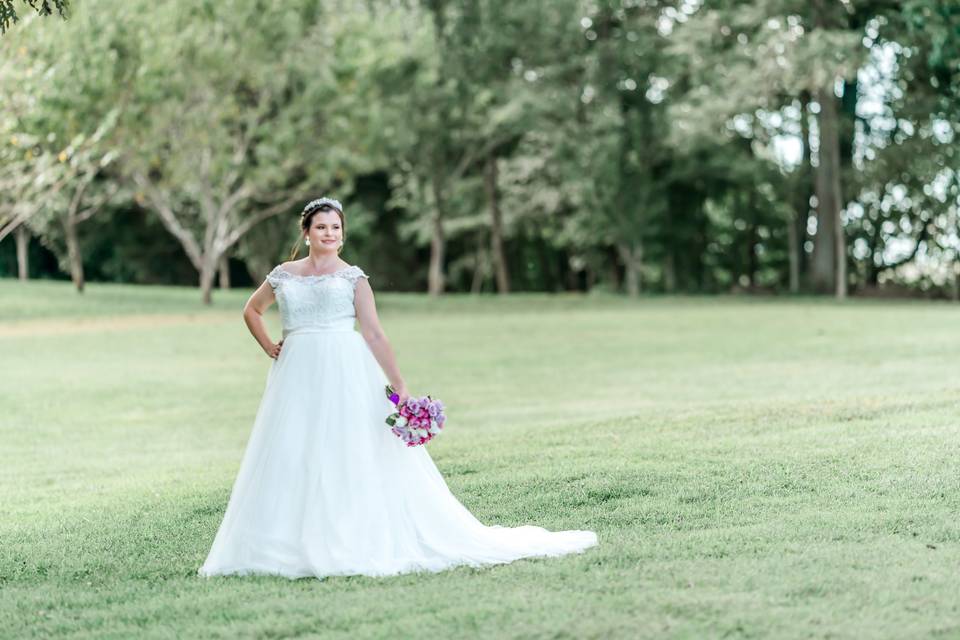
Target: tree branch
[211,213]
[470,157]
[77,198]
[28,212]
[240,153]
[92,209]
[170,221]
[8,13]
[241,229]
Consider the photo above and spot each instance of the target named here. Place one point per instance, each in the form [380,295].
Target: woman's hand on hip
[274,350]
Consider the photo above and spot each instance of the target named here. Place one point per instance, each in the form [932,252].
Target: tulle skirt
[324,488]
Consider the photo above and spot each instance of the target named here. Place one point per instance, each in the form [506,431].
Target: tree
[769,55]
[240,114]
[493,51]
[461,109]
[66,103]
[8,10]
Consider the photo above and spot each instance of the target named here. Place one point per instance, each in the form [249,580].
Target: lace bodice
[315,302]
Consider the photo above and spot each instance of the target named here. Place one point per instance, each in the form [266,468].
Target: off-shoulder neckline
[280,269]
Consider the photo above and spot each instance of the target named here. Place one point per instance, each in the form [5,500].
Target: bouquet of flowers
[417,420]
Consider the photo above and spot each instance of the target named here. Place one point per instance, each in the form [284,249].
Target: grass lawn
[752,467]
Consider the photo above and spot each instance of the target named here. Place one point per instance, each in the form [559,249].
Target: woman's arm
[261,299]
[376,339]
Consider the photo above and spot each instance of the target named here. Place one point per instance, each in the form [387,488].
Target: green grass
[753,467]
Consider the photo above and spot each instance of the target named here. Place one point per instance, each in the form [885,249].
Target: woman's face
[325,232]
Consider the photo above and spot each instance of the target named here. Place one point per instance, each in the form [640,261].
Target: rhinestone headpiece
[319,202]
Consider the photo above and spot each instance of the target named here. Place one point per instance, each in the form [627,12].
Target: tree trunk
[479,270]
[632,257]
[840,242]
[22,237]
[955,281]
[435,278]
[670,272]
[208,272]
[257,266]
[828,268]
[614,269]
[496,226]
[805,190]
[74,257]
[480,267]
[793,253]
[224,271]
[567,271]
[876,252]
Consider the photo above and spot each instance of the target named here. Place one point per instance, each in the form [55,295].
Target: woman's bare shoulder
[301,266]
[293,267]
[291,264]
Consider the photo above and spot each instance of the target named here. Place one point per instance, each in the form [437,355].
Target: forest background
[547,145]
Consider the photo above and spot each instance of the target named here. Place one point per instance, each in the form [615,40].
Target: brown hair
[306,219]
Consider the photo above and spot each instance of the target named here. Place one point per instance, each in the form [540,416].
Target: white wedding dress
[324,487]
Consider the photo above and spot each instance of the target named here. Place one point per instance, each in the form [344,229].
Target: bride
[324,487]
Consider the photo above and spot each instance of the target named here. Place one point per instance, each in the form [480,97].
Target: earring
[306,241]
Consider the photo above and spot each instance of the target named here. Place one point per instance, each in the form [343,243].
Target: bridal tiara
[319,202]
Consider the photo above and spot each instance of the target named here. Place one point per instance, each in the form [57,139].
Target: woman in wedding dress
[324,487]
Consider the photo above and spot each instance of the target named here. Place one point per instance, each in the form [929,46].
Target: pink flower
[418,420]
